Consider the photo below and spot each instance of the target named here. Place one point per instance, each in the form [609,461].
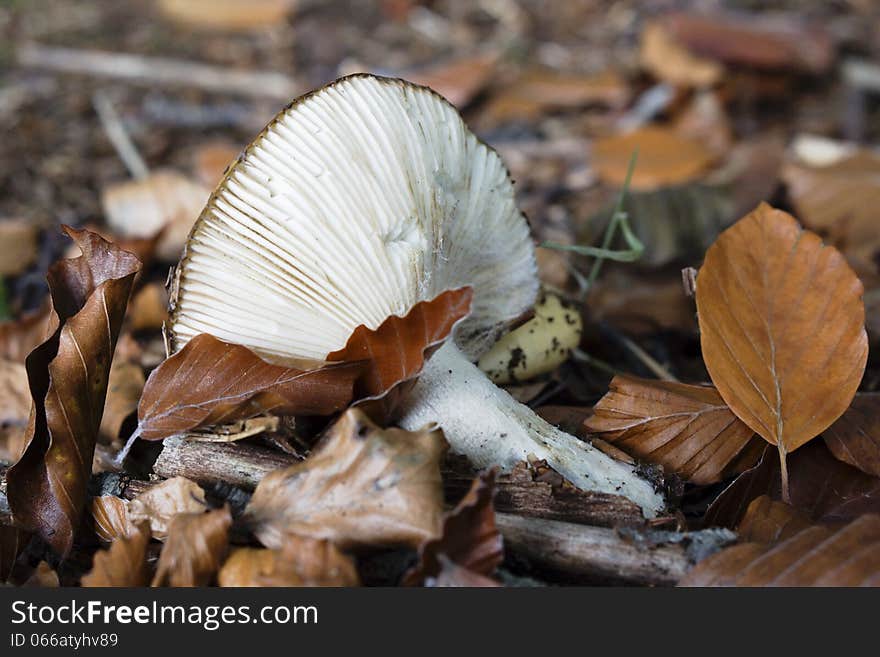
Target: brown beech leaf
[195,548]
[362,485]
[687,429]
[397,350]
[814,556]
[44,576]
[148,309]
[124,563]
[68,382]
[300,562]
[782,327]
[758,41]
[12,541]
[768,521]
[111,517]
[213,382]
[855,437]
[470,538]
[664,158]
[159,504]
[826,489]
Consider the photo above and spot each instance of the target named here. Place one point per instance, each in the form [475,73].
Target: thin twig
[118,136]
[157,71]
[659,371]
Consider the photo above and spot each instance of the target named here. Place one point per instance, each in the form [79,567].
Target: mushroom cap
[356,202]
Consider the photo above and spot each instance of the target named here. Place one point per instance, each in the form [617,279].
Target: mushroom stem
[483,422]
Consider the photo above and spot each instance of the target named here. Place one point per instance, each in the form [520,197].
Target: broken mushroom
[356,202]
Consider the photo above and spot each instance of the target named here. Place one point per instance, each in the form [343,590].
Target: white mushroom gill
[357,202]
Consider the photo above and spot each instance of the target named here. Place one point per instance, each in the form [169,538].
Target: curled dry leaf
[124,389]
[815,556]
[398,349]
[15,408]
[855,437]
[362,486]
[826,489]
[300,562]
[666,59]
[782,327]
[687,429]
[769,521]
[195,548]
[68,376]
[470,538]
[111,517]
[123,564]
[161,503]
[664,158]
[165,201]
[213,382]
[18,246]
[756,41]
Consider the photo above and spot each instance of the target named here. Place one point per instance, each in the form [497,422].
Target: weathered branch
[602,555]
[157,71]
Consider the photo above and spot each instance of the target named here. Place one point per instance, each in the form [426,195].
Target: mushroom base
[483,422]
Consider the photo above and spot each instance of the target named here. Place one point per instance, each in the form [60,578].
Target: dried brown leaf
[213,382]
[398,349]
[110,515]
[123,564]
[855,437]
[769,521]
[68,376]
[815,556]
[210,161]
[363,486]
[826,489]
[470,538]
[300,562]
[664,158]
[687,429]
[148,309]
[44,576]
[782,327]
[161,503]
[18,246]
[194,550]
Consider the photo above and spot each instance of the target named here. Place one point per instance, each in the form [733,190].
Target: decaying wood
[603,555]
[237,464]
[157,70]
